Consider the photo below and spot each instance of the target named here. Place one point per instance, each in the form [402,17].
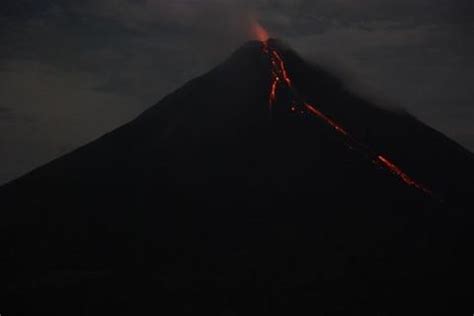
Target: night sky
[74,70]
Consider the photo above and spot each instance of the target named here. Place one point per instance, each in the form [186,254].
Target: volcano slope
[261,187]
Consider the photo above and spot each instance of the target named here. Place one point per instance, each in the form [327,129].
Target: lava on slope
[281,78]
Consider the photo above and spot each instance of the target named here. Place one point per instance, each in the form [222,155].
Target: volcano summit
[263,187]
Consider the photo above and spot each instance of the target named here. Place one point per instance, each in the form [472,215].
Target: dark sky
[73,70]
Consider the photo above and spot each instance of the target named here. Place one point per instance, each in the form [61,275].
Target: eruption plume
[259,32]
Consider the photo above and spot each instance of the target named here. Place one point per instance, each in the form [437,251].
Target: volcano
[264,187]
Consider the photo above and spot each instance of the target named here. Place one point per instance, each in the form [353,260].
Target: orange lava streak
[282,68]
[280,72]
[397,171]
[276,81]
[318,113]
[380,160]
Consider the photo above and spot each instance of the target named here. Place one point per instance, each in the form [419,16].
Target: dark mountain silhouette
[211,202]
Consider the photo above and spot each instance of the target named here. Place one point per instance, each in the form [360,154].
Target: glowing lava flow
[397,171]
[279,72]
[281,67]
[276,81]
[318,113]
[280,77]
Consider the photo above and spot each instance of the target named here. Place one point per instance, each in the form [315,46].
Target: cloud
[50,112]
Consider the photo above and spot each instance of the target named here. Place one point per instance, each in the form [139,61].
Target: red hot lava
[397,171]
[329,121]
[281,78]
